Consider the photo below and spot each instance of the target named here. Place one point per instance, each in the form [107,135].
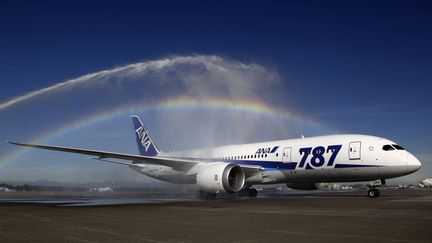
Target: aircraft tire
[373,193]
[253,192]
[378,193]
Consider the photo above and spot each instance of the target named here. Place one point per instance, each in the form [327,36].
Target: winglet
[146,146]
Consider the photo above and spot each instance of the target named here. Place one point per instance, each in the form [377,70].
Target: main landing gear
[248,192]
[205,195]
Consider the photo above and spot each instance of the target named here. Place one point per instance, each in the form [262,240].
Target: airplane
[109,188]
[101,189]
[426,183]
[299,163]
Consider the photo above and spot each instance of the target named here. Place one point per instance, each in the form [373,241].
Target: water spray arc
[179,83]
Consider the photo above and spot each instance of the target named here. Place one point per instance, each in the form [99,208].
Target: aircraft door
[354,150]
[286,156]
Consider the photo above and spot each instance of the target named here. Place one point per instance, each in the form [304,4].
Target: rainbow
[172,103]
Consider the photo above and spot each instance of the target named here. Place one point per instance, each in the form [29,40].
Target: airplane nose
[412,163]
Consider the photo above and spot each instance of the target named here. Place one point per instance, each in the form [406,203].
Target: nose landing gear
[373,192]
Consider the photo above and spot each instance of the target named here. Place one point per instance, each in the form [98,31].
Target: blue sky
[353,66]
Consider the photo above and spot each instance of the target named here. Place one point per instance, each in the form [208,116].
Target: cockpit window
[398,147]
[387,147]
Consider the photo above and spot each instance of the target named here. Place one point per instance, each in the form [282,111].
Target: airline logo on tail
[146,145]
[144,138]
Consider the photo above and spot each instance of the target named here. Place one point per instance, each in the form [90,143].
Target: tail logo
[143,137]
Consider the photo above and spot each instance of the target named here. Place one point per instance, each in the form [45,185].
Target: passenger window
[387,147]
[398,147]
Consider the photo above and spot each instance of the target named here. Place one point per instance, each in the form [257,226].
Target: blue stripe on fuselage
[266,164]
[354,166]
[271,165]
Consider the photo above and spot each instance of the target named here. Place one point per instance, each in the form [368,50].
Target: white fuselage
[334,158]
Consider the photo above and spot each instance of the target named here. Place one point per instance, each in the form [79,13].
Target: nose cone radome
[413,164]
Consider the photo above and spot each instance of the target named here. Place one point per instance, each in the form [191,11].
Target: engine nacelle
[220,177]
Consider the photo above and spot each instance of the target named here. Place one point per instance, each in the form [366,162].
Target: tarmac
[397,216]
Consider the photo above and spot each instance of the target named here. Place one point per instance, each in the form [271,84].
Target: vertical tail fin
[146,146]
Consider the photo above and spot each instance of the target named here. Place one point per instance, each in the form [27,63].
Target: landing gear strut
[248,192]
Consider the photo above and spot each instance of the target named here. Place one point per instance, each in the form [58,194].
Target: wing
[175,163]
[178,164]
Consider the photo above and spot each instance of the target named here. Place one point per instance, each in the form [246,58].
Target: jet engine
[220,177]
